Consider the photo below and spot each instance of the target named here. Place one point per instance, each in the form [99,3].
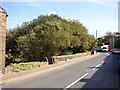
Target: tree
[107,37]
[46,36]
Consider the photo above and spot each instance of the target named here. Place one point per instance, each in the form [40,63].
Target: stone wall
[3,15]
[69,57]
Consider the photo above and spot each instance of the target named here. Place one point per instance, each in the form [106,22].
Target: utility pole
[119,17]
[96,40]
[114,42]
[96,34]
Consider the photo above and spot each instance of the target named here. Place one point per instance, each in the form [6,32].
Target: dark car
[116,51]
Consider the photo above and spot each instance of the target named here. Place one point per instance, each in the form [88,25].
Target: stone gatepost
[3,15]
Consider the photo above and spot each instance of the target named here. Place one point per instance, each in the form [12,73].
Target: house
[3,15]
[114,39]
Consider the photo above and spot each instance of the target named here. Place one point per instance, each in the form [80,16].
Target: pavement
[45,68]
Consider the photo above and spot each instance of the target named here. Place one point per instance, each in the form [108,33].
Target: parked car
[116,51]
[112,50]
[105,49]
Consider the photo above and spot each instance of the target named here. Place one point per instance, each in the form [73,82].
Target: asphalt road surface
[97,72]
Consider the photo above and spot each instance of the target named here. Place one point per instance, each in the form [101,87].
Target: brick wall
[3,15]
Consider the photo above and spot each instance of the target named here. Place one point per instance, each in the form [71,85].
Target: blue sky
[94,16]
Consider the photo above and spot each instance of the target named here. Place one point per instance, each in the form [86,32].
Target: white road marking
[108,54]
[75,82]
[94,68]
[103,62]
[98,65]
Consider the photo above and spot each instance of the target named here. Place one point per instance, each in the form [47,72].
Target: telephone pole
[96,40]
[96,33]
[119,17]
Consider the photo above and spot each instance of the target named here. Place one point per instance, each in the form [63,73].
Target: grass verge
[17,67]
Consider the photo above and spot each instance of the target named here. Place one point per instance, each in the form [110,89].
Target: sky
[93,14]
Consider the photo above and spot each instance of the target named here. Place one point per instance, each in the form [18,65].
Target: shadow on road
[106,76]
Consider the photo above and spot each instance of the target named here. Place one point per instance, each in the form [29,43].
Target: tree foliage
[47,36]
[107,38]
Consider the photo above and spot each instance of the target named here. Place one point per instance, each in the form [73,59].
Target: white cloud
[51,12]
[99,1]
[111,3]
[60,0]
[34,4]
[70,18]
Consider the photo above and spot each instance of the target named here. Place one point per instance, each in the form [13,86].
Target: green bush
[17,67]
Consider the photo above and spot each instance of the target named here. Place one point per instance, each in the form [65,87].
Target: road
[97,72]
